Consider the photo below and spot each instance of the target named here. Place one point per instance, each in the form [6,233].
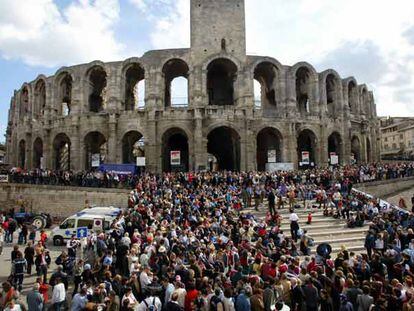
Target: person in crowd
[19,265]
[58,296]
[29,255]
[35,299]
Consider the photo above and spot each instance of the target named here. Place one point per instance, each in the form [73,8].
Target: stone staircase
[322,229]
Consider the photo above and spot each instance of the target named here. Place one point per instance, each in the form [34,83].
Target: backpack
[151,307]
[214,303]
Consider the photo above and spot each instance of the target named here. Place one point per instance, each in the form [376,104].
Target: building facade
[82,112]
[397,138]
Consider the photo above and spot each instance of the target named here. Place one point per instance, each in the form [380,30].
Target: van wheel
[57,241]
[39,222]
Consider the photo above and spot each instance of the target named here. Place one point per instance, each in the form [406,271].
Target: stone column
[152,142]
[29,151]
[291,143]
[321,155]
[199,142]
[112,138]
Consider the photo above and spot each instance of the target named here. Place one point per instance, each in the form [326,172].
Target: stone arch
[97,80]
[132,147]
[267,74]
[134,93]
[62,152]
[64,84]
[268,139]
[335,147]
[37,153]
[356,149]
[175,139]
[332,88]
[221,76]
[39,105]
[21,156]
[306,145]
[24,102]
[174,70]
[96,148]
[224,144]
[364,99]
[352,92]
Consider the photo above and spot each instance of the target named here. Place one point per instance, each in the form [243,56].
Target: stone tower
[217,26]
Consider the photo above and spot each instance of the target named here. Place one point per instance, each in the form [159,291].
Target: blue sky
[369,39]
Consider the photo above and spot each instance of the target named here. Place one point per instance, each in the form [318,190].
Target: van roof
[82,215]
[101,211]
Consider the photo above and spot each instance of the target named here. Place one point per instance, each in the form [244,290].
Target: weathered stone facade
[58,122]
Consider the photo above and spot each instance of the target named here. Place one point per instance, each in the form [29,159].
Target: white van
[80,220]
[102,210]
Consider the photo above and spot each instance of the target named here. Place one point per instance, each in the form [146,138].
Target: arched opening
[37,153]
[65,94]
[176,83]
[221,74]
[224,145]
[369,155]
[132,147]
[176,151]
[97,89]
[269,147]
[40,99]
[265,74]
[95,149]
[303,89]
[335,148]
[24,103]
[355,150]
[331,94]
[364,101]
[306,149]
[134,82]
[61,152]
[21,161]
[352,97]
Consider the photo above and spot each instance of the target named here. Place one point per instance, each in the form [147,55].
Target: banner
[305,158]
[95,160]
[4,178]
[271,156]
[334,158]
[274,167]
[175,157]
[140,161]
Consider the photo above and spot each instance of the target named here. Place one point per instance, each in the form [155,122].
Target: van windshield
[68,224]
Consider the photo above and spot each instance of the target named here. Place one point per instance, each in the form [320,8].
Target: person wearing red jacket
[190,297]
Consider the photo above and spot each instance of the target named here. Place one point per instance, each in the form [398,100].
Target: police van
[82,223]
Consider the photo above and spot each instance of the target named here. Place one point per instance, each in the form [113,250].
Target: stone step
[335,250]
[319,226]
[349,240]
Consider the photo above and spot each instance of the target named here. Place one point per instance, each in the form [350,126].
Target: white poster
[305,158]
[274,167]
[42,163]
[175,157]
[334,159]
[271,156]
[4,178]
[95,160]
[141,161]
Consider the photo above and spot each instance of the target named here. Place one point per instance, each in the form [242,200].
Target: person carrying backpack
[216,304]
[151,303]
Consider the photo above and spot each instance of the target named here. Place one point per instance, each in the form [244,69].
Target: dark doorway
[268,139]
[306,143]
[335,146]
[132,147]
[37,153]
[95,144]
[97,86]
[356,149]
[175,140]
[368,143]
[224,144]
[220,82]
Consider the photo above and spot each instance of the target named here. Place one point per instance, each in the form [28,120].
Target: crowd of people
[96,178]
[191,241]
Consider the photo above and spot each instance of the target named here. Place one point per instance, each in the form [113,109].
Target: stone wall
[387,188]
[60,202]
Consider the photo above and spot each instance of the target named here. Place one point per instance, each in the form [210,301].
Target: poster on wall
[305,158]
[353,160]
[175,157]
[271,156]
[95,160]
[140,161]
[334,159]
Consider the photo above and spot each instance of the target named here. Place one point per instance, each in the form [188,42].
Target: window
[401,136]
[68,224]
[386,139]
[85,223]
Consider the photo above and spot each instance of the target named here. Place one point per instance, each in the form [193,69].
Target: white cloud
[38,33]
